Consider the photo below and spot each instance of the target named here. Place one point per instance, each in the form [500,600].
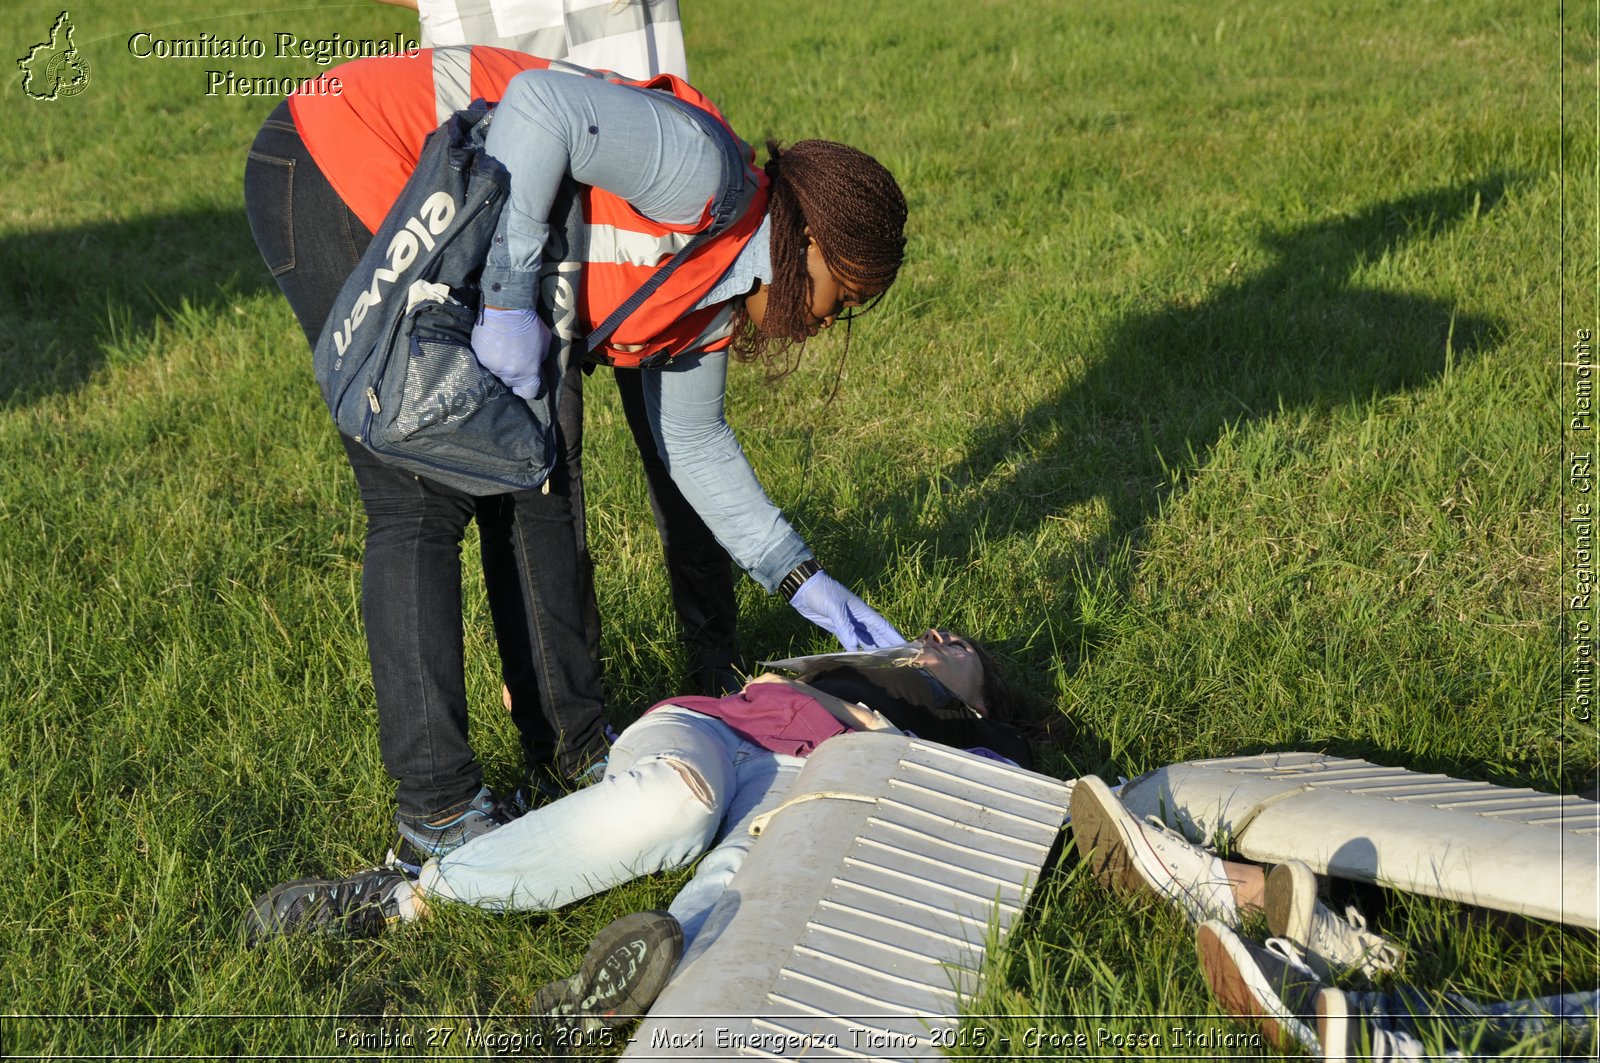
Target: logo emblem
[54,68]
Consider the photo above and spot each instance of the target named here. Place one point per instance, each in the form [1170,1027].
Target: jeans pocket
[269,202]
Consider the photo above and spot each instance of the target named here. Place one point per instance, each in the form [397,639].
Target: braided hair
[856,214]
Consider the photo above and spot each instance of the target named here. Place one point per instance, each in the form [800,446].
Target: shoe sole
[1102,843]
[1333,1025]
[1225,961]
[1291,901]
[635,955]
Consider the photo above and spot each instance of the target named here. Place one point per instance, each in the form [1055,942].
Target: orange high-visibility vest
[366,138]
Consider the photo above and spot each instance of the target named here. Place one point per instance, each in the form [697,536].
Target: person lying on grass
[683,782]
[1285,985]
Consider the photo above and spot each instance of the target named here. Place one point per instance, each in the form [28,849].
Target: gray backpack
[394,360]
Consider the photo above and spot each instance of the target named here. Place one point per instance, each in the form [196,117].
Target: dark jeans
[543,662]
[539,580]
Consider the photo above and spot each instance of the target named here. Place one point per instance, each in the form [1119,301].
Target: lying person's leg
[670,780]
[1137,856]
[1146,857]
[764,781]
[1395,1023]
[629,961]
[1274,986]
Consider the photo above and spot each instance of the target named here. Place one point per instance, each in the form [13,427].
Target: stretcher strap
[759,824]
[1250,817]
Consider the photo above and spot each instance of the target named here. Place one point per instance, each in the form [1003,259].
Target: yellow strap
[759,824]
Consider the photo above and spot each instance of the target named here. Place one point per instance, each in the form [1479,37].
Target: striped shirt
[636,38]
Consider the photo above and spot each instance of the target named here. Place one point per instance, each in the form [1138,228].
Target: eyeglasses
[850,313]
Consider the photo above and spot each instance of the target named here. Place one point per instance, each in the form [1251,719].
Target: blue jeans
[678,783]
[538,576]
[1569,1018]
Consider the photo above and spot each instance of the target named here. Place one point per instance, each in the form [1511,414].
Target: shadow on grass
[1167,385]
[69,297]
[1303,334]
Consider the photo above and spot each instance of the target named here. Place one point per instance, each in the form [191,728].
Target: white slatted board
[887,908]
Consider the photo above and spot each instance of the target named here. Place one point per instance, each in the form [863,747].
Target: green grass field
[1220,393]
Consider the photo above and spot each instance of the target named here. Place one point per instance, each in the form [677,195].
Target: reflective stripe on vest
[609,243]
[620,258]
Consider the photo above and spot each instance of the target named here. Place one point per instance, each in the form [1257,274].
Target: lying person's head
[949,691]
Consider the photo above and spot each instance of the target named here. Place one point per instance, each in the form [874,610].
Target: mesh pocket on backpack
[444,383]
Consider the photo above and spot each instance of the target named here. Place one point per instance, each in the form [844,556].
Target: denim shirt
[550,124]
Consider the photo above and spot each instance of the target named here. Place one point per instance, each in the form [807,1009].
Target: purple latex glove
[511,344]
[828,604]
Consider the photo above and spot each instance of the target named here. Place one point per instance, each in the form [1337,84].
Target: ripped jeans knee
[662,813]
[693,779]
[672,796]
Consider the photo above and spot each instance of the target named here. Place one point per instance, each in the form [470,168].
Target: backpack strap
[724,212]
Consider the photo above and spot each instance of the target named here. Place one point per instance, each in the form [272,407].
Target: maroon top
[772,715]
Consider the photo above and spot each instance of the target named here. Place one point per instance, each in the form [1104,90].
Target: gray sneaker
[358,906]
[1270,983]
[420,840]
[624,970]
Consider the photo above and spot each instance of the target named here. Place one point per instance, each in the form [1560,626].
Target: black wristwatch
[790,584]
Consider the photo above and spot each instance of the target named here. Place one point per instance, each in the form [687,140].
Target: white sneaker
[1147,857]
[1271,984]
[1331,944]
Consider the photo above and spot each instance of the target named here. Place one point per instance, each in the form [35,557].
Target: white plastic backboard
[858,924]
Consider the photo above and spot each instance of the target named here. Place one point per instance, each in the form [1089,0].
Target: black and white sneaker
[1271,984]
[358,906]
[625,969]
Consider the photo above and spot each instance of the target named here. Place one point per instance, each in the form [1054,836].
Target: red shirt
[367,138]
